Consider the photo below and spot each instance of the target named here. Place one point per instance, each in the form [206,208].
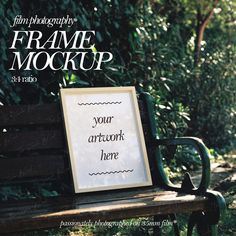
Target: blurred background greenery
[183,52]
[156,47]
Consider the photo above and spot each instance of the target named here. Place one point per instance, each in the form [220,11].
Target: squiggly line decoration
[111,172]
[97,103]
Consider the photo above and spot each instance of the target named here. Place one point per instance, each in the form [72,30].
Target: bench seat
[43,213]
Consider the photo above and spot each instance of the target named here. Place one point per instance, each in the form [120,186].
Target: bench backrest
[33,146]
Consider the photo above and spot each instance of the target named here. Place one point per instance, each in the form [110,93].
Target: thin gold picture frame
[87,91]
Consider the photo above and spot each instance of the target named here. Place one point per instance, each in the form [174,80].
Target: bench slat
[31,167]
[29,115]
[31,140]
[50,212]
[25,115]
[91,197]
[45,114]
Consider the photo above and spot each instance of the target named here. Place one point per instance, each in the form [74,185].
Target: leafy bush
[209,90]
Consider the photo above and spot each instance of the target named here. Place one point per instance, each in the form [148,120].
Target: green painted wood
[163,179]
[204,155]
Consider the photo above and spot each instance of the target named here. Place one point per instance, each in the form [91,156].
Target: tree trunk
[200,29]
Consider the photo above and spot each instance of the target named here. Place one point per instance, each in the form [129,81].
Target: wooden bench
[33,153]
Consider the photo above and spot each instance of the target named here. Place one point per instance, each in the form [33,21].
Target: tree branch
[201,26]
[210,13]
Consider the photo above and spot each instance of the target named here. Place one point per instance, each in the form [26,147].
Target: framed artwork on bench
[105,138]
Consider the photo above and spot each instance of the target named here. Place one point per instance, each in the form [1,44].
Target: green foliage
[153,47]
[209,91]
[157,65]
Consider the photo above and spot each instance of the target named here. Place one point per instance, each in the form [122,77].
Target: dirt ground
[223,179]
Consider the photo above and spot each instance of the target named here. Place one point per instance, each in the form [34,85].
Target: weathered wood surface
[31,140]
[30,115]
[31,167]
[41,214]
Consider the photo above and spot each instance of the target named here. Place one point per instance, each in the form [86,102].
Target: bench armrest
[205,160]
